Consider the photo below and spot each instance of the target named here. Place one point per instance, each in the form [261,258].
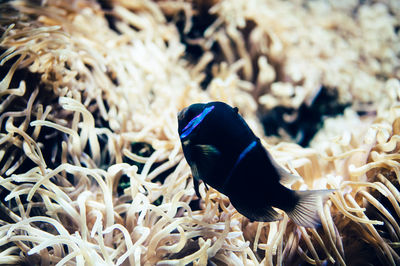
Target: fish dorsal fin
[285,177]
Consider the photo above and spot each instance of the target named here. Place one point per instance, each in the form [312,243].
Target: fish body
[223,151]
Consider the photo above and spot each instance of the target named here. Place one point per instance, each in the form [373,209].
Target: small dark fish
[223,152]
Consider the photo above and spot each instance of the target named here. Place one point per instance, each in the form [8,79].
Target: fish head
[191,117]
[209,123]
[187,114]
[211,135]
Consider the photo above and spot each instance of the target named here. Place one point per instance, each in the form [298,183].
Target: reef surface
[91,167]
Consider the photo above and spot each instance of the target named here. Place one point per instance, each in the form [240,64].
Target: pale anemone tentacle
[83,97]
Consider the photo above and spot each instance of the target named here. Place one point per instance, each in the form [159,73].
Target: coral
[91,168]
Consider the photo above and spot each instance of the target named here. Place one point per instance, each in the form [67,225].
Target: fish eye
[193,111]
[193,117]
[188,113]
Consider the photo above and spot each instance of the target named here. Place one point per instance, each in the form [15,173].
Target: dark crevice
[144,150]
[194,51]
[307,120]
[107,7]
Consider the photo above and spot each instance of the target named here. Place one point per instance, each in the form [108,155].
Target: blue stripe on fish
[241,156]
[195,122]
[246,150]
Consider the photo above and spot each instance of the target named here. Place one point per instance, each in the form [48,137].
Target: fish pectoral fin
[264,214]
[207,151]
[306,211]
[207,157]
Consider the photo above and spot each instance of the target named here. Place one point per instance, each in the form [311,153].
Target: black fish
[222,151]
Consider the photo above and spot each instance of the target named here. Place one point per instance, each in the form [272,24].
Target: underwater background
[91,166]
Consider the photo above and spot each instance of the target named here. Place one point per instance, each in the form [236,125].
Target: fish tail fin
[305,212]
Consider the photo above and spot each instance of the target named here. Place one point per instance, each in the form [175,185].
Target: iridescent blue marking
[246,151]
[195,122]
[240,158]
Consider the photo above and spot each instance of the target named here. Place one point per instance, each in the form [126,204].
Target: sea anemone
[91,167]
